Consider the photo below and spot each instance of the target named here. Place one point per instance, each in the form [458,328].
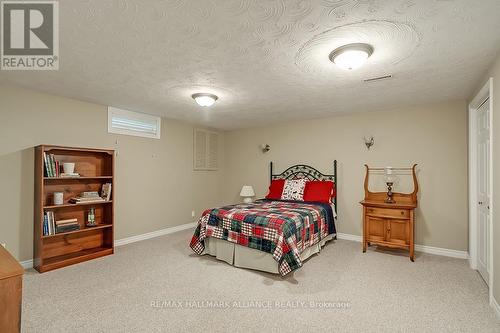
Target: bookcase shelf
[74,258]
[96,167]
[76,178]
[86,229]
[66,205]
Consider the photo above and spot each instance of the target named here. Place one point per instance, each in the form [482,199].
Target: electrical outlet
[4,245]
[193,213]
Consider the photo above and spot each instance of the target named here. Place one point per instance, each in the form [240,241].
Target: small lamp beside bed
[247,193]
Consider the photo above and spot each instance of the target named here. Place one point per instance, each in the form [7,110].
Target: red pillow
[321,191]
[275,189]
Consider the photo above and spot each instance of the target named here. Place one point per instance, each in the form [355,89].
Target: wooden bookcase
[96,167]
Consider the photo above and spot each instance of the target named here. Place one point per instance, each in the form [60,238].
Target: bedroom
[268,63]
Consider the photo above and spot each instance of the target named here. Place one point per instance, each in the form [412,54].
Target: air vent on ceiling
[378,78]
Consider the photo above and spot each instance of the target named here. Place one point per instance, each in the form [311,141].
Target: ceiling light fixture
[351,56]
[204,99]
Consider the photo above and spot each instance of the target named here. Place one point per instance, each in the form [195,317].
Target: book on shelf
[52,166]
[66,222]
[49,225]
[69,175]
[78,200]
[67,225]
[90,194]
[67,229]
[87,197]
[106,191]
[47,163]
[45,225]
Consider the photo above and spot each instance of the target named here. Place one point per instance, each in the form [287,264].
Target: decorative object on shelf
[69,168]
[392,223]
[58,198]
[265,148]
[247,193]
[389,181]
[369,142]
[106,191]
[91,218]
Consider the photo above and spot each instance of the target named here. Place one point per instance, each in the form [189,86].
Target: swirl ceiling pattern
[267,60]
[393,42]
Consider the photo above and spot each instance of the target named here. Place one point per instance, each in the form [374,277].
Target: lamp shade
[247,191]
[389,174]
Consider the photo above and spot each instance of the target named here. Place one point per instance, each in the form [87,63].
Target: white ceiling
[267,60]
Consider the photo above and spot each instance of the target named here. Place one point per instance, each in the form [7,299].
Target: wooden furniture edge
[9,266]
[382,204]
[90,150]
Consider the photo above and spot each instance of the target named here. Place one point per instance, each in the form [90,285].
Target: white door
[483,189]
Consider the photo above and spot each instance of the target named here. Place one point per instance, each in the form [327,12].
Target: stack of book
[69,175]
[67,225]
[87,197]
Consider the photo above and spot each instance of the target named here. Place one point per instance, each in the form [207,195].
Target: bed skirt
[245,257]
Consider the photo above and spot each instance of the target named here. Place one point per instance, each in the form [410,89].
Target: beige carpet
[379,292]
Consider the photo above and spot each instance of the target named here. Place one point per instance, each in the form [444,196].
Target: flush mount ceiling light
[204,99]
[351,56]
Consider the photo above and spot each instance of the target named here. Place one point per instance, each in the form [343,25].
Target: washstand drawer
[388,212]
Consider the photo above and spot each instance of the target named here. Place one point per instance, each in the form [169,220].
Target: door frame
[485,92]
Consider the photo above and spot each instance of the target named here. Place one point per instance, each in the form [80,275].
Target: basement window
[133,123]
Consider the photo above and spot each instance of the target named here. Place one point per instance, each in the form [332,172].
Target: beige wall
[155,185]
[434,136]
[494,72]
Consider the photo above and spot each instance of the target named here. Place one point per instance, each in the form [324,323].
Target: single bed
[270,235]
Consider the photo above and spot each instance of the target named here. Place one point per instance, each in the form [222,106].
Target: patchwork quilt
[281,228]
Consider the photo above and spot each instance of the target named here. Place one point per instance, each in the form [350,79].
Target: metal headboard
[305,171]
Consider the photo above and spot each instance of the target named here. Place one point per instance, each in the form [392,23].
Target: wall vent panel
[206,150]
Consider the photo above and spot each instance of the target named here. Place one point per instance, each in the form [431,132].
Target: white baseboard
[27,264]
[420,248]
[349,237]
[442,252]
[495,306]
[472,263]
[119,242]
[153,234]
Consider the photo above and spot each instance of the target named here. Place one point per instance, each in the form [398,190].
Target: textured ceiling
[267,60]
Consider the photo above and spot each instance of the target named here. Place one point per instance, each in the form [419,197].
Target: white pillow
[294,189]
